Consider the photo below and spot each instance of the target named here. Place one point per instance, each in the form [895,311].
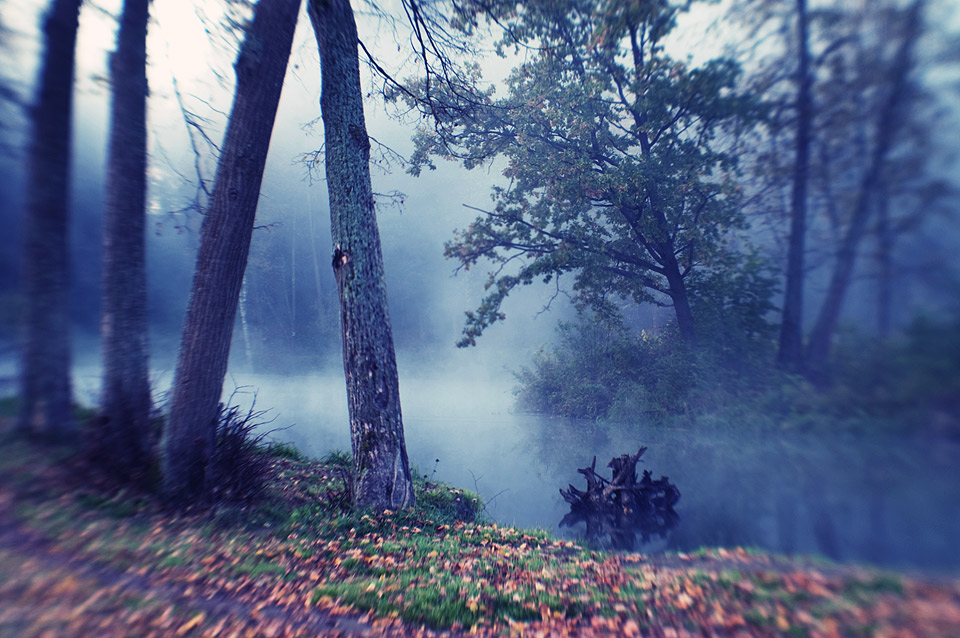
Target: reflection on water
[882,500]
[889,501]
[894,502]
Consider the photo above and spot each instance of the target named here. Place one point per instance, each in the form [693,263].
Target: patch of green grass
[53,521]
[441,600]
[117,506]
[254,568]
[447,504]
[758,619]
[286,451]
[173,560]
[862,591]
[441,574]
[338,458]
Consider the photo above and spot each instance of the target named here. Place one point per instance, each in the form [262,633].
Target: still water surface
[888,501]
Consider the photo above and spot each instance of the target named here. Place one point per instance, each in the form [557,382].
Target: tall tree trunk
[224,247]
[125,403]
[885,239]
[818,350]
[45,390]
[381,469]
[790,353]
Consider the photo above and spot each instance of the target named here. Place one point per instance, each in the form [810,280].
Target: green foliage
[598,369]
[911,378]
[331,511]
[338,458]
[731,304]
[618,171]
[119,505]
[446,504]
[580,376]
[239,461]
[255,567]
[286,451]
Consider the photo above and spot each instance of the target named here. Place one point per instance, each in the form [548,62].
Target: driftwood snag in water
[620,508]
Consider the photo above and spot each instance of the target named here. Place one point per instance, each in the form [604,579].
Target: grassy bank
[80,557]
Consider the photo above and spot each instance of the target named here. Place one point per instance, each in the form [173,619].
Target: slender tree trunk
[885,240]
[224,247]
[790,353]
[821,337]
[665,246]
[381,469]
[125,403]
[45,390]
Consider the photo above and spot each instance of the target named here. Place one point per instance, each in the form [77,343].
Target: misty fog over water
[890,501]
[885,500]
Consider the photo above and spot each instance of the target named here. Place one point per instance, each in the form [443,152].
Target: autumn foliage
[77,560]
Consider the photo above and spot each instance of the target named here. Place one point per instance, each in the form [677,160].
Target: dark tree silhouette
[790,352]
[865,113]
[45,388]
[381,469]
[125,402]
[888,122]
[224,247]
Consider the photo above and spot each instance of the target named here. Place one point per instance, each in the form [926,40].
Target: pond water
[889,501]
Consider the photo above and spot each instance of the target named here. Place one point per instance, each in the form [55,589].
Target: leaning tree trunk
[224,247]
[381,469]
[790,352]
[122,442]
[45,390]
[821,337]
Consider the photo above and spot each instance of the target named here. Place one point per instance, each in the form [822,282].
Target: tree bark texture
[122,444]
[666,253]
[821,337]
[45,388]
[790,352]
[678,295]
[224,246]
[381,469]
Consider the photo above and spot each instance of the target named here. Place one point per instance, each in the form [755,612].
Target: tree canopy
[617,158]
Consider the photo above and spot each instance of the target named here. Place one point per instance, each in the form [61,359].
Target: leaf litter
[77,559]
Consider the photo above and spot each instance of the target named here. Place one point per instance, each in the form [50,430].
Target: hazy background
[885,501]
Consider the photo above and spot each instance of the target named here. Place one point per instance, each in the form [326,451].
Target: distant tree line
[639,178]
[121,436]
[631,178]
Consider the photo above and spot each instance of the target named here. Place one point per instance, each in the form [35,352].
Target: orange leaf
[782,623]
[190,624]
